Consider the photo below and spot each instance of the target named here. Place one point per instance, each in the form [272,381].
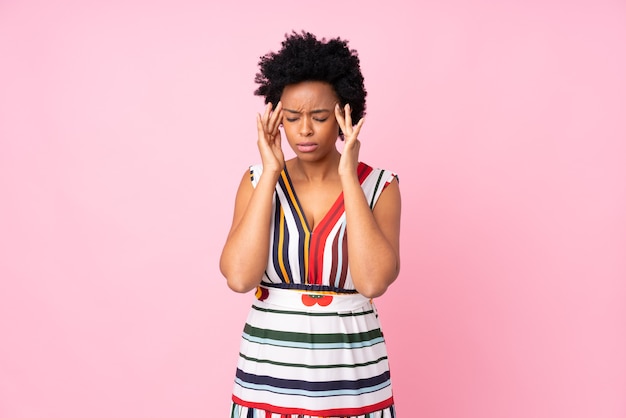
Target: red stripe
[323,412]
[335,257]
[322,231]
[344,262]
[319,238]
[363,170]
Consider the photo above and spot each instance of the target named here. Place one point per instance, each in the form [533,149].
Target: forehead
[309,94]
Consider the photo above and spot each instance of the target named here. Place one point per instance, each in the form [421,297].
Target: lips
[306,146]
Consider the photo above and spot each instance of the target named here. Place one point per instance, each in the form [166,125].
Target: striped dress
[312,346]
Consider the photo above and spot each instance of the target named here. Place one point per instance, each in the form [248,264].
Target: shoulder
[374,181]
[377,176]
[255,172]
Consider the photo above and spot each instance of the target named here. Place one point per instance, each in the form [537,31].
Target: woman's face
[309,119]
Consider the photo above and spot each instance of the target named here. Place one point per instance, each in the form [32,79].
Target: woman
[312,344]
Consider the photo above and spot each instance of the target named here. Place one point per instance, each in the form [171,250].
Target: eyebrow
[311,112]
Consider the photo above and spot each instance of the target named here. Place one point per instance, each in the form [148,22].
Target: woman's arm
[373,236]
[244,257]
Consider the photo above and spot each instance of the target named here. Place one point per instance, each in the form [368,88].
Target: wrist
[270,174]
[349,179]
[273,168]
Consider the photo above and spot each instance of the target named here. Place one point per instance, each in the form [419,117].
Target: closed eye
[315,119]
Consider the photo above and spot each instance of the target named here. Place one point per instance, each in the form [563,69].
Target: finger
[276,118]
[272,131]
[267,118]
[268,110]
[357,128]
[340,119]
[348,112]
[259,125]
[264,138]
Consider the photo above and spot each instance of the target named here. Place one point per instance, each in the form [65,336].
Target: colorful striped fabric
[312,346]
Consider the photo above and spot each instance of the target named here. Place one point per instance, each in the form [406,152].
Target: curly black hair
[305,58]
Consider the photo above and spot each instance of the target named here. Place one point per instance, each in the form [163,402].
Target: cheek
[332,128]
[290,131]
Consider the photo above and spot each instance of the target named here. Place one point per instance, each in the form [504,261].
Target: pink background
[125,127]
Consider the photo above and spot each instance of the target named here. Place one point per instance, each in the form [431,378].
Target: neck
[315,171]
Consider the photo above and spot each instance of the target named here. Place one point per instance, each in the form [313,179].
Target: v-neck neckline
[337,201]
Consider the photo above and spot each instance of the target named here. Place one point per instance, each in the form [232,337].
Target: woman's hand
[350,156]
[269,142]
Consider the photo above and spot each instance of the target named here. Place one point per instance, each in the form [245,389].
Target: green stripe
[309,366]
[340,314]
[301,337]
[380,176]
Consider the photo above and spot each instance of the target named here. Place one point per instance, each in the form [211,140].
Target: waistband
[310,300]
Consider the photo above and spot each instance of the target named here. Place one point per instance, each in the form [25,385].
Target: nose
[306,127]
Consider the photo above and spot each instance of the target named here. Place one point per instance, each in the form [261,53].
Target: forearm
[244,257]
[373,259]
